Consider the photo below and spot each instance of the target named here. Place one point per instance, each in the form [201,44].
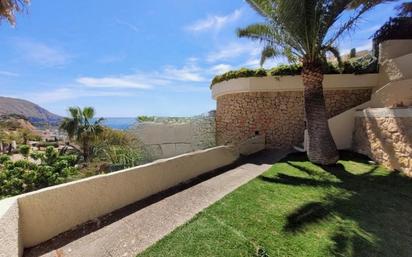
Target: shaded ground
[132,229]
[299,209]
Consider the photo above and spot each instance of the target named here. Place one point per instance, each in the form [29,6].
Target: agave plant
[305,31]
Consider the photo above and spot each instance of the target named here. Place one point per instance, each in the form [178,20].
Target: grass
[299,209]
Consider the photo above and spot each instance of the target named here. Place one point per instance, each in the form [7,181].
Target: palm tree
[80,127]
[8,8]
[305,31]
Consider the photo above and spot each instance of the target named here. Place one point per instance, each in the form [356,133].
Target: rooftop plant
[357,65]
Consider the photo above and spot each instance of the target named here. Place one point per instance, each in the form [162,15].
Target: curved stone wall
[277,115]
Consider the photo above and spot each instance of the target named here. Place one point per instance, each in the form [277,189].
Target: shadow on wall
[386,140]
[373,215]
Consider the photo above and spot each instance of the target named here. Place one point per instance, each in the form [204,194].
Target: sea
[120,123]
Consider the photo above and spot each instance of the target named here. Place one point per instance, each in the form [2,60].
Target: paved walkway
[131,230]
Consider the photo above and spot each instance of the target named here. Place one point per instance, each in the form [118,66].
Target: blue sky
[131,57]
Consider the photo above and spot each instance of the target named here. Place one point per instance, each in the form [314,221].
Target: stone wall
[277,115]
[168,139]
[385,137]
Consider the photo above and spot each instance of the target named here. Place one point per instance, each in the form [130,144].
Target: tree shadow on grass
[373,210]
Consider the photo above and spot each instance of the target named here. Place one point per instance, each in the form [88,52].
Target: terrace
[239,182]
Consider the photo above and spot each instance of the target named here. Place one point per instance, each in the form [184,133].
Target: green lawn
[300,209]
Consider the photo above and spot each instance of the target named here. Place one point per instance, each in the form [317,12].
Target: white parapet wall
[10,238]
[44,214]
[292,83]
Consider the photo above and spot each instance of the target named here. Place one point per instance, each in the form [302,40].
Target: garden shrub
[360,65]
[24,176]
[145,118]
[24,150]
[4,158]
[285,70]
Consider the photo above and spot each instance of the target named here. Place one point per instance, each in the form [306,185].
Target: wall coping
[293,83]
[385,113]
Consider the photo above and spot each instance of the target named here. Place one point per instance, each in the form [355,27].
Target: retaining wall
[277,115]
[385,135]
[44,214]
[164,140]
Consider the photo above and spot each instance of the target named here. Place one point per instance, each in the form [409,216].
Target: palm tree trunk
[86,151]
[321,147]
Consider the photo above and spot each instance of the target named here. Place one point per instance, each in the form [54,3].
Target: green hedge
[361,65]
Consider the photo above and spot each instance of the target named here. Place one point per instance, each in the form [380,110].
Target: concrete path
[131,230]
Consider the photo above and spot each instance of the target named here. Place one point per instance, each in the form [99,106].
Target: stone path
[132,229]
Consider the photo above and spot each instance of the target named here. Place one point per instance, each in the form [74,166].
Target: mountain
[34,113]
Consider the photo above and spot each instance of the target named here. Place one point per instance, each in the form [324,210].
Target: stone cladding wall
[387,140]
[277,115]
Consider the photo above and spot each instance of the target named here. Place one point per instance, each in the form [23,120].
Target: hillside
[34,113]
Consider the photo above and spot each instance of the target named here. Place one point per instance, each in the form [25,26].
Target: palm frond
[258,31]
[88,113]
[359,8]
[304,29]
[8,8]
[267,52]
[335,52]
[262,7]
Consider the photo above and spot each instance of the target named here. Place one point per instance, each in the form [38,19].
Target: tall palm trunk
[321,147]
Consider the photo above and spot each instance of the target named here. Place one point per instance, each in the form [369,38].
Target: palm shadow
[379,204]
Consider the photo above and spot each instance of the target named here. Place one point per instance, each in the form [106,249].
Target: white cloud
[8,73]
[232,51]
[221,68]
[127,25]
[214,22]
[42,54]
[113,82]
[189,73]
[72,92]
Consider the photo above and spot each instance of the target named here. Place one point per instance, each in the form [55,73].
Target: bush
[124,157]
[24,176]
[395,28]
[24,150]
[144,118]
[284,70]
[361,65]
[4,159]
[119,148]
[242,73]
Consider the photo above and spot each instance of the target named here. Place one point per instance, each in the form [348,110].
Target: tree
[305,31]
[8,9]
[80,127]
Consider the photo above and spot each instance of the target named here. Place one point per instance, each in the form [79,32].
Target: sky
[129,58]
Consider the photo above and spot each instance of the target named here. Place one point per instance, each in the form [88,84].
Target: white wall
[164,140]
[46,213]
